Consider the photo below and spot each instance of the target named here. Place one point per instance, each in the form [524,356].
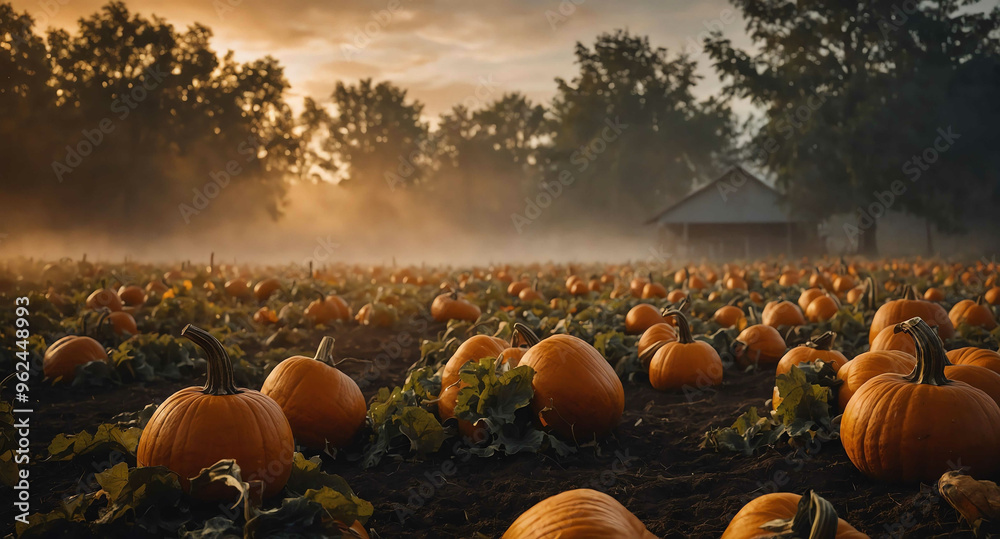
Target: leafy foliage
[804,414]
[402,416]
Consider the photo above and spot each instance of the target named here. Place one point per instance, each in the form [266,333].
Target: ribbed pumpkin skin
[642,317]
[978,377]
[764,346]
[887,339]
[808,296]
[654,334]
[728,316]
[192,430]
[900,310]
[805,354]
[445,307]
[897,431]
[323,405]
[578,514]
[573,378]
[869,365]
[473,349]
[783,313]
[970,355]
[969,312]
[678,364]
[62,358]
[777,505]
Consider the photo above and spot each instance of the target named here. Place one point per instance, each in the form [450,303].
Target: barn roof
[736,196]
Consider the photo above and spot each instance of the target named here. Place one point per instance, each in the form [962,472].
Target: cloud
[439,49]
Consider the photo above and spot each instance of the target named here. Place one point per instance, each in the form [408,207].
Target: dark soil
[652,464]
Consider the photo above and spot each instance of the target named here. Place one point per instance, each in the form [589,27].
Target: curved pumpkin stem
[931,358]
[909,292]
[683,328]
[325,350]
[823,342]
[220,366]
[815,518]
[870,299]
[529,337]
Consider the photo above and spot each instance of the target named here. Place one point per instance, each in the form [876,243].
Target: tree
[139,127]
[853,92]
[629,132]
[377,134]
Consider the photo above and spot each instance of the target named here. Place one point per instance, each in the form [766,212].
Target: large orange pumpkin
[642,317]
[263,290]
[782,313]
[656,333]
[199,426]
[805,516]
[971,355]
[900,310]
[581,513]
[683,362]
[62,358]
[449,306]
[577,393]
[974,313]
[914,427]
[818,348]
[888,339]
[759,345]
[729,316]
[323,405]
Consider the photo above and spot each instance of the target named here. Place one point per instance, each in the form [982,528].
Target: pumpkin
[800,516]
[736,282]
[157,287]
[642,317]
[636,286]
[782,313]
[577,513]
[933,294]
[868,365]
[579,288]
[530,294]
[809,294]
[759,345]
[265,316]
[237,288]
[60,360]
[888,339]
[122,323]
[729,316]
[971,355]
[263,289]
[323,310]
[323,405]
[992,296]
[653,290]
[914,427]
[657,333]
[822,308]
[516,287]
[377,314]
[199,426]
[843,283]
[473,349]
[820,347]
[973,313]
[449,306]
[104,298]
[900,310]
[577,393]
[683,362]
[131,295]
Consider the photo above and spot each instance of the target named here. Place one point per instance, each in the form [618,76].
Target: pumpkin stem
[870,300]
[325,350]
[931,358]
[683,328]
[220,366]
[823,342]
[529,337]
[909,292]
[815,518]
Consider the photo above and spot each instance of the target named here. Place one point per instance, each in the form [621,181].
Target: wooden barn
[737,215]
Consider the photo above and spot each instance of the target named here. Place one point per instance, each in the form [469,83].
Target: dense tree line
[129,122]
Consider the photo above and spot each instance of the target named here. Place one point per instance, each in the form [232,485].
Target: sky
[444,52]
